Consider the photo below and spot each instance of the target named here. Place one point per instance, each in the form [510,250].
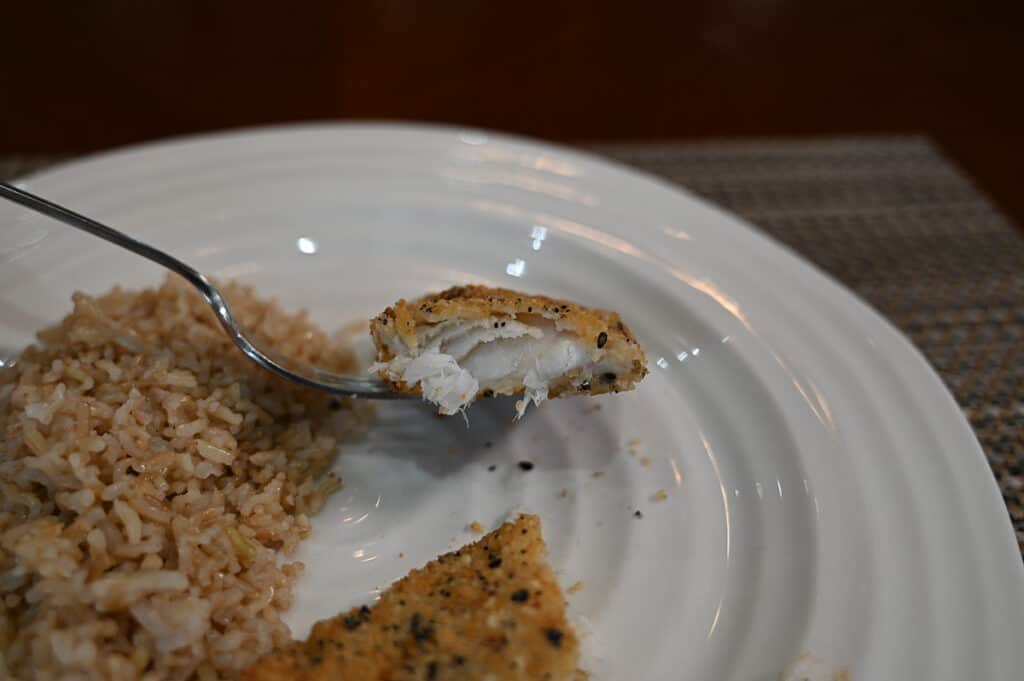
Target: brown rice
[150,476]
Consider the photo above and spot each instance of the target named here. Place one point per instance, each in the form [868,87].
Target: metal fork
[293,370]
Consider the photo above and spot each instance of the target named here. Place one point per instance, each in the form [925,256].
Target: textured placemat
[897,223]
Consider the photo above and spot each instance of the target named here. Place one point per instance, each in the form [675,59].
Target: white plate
[825,495]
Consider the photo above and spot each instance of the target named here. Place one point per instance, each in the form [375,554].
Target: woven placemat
[897,223]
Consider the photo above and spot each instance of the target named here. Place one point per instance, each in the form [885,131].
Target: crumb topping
[462,617]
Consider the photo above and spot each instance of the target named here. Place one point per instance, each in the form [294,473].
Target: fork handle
[79,221]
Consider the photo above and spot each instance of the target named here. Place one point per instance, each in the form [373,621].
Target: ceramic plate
[791,484]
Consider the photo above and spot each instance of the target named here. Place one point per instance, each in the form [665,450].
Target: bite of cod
[469,342]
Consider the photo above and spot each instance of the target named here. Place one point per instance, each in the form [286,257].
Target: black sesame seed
[585,386]
[520,596]
[353,621]
[493,467]
[495,324]
[418,630]
[638,514]
[526,465]
[554,637]
[495,562]
[602,338]
[529,309]
[609,376]
[488,393]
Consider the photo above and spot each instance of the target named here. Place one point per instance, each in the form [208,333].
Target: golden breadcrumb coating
[492,609]
[610,342]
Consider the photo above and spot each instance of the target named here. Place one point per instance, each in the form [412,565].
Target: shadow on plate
[442,446]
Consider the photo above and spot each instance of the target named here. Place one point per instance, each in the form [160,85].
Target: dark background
[85,75]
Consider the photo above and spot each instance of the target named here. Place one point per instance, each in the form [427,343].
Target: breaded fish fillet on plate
[491,610]
[475,341]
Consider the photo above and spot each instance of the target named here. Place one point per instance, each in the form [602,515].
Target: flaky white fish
[469,342]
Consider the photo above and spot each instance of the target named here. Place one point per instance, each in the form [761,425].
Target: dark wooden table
[79,76]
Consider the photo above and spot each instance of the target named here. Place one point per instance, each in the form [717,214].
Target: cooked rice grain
[150,476]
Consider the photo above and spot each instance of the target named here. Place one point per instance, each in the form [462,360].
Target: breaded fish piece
[474,341]
[491,610]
